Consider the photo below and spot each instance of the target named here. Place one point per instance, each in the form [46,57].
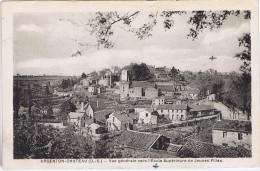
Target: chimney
[97,103]
[82,105]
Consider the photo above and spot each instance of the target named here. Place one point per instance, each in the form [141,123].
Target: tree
[47,91]
[241,93]
[66,108]
[37,141]
[245,55]
[174,72]
[83,75]
[140,72]
[217,89]
[102,24]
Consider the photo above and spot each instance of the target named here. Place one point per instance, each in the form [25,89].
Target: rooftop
[94,126]
[233,125]
[195,108]
[142,84]
[89,121]
[138,140]
[172,107]
[194,148]
[122,117]
[165,88]
[75,115]
[97,105]
[102,116]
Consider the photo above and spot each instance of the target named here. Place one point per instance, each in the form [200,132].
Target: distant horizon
[110,68]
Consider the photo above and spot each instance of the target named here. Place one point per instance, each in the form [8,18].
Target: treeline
[68,83]
[143,72]
[234,90]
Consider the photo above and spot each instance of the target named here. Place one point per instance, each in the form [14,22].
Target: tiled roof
[143,102]
[139,140]
[147,109]
[101,105]
[89,121]
[151,89]
[103,115]
[172,107]
[200,107]
[142,84]
[233,125]
[200,149]
[165,88]
[119,108]
[94,126]
[122,117]
[75,115]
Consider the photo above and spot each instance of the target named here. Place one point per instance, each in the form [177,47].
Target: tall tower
[124,75]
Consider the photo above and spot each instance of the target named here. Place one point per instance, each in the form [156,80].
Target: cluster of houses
[143,103]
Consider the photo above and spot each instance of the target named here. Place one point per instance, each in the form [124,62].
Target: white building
[146,117]
[74,118]
[173,112]
[119,122]
[53,122]
[158,101]
[124,75]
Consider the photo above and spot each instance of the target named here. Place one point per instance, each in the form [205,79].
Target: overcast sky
[44,43]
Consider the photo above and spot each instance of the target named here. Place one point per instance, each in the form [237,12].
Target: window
[224,134]
[240,136]
[161,111]
[113,119]
[225,144]
[146,114]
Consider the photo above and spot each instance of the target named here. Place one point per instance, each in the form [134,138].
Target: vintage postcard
[133,84]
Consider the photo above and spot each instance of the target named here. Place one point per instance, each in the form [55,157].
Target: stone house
[74,118]
[53,122]
[146,117]
[95,106]
[201,110]
[174,112]
[233,133]
[158,101]
[119,121]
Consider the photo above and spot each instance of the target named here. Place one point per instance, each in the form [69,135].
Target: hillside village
[160,117]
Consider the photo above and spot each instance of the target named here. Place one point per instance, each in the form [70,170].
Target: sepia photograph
[132,84]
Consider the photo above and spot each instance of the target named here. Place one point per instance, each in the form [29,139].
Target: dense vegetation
[34,140]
